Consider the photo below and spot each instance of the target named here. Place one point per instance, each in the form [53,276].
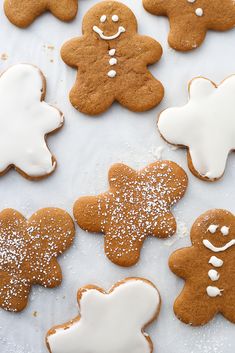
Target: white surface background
[85,149]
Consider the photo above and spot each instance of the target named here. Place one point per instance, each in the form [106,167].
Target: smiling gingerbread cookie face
[112,61]
[208,269]
[190,19]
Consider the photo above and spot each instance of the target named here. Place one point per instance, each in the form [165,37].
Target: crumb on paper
[35,314]
[4,56]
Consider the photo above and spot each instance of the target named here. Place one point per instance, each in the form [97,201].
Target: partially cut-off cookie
[208,268]
[191,19]
[23,12]
[112,59]
[29,251]
[138,204]
[109,322]
[25,121]
[205,125]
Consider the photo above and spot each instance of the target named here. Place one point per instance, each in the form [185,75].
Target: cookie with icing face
[115,320]
[138,204]
[208,268]
[190,19]
[205,125]
[112,58]
[23,12]
[29,251]
[25,121]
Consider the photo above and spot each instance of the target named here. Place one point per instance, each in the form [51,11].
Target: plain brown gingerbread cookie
[112,59]
[29,251]
[208,268]
[137,205]
[190,19]
[23,12]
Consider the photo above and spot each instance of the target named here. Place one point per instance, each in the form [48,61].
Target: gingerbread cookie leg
[23,13]
[186,36]
[196,311]
[89,97]
[64,10]
[123,246]
[146,93]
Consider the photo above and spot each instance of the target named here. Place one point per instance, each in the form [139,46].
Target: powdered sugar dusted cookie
[28,252]
[109,322]
[205,125]
[208,270]
[23,12]
[137,205]
[190,19]
[25,120]
[112,60]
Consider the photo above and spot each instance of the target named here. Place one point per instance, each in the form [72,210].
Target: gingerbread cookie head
[26,119]
[112,61]
[205,125]
[115,320]
[28,253]
[208,269]
[23,12]
[110,21]
[137,205]
[190,19]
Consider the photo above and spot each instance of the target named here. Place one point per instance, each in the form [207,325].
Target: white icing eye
[191,1]
[103,18]
[212,228]
[224,230]
[115,18]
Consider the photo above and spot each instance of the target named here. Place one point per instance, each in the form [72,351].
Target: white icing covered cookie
[109,322]
[205,125]
[25,120]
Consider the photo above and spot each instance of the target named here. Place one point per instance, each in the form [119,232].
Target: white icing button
[112,52]
[112,73]
[115,18]
[191,1]
[103,18]
[213,275]
[199,12]
[212,228]
[113,61]
[213,291]
[215,261]
[224,230]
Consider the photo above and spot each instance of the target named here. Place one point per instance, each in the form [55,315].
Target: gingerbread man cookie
[137,205]
[23,12]
[115,320]
[205,125]
[112,60]
[190,19]
[25,120]
[28,252]
[208,268]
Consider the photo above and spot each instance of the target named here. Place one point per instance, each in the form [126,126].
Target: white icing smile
[114,36]
[213,248]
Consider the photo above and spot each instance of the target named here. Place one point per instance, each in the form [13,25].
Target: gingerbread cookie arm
[148,49]
[74,51]
[64,10]
[182,262]
[22,13]
[89,213]
[156,7]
